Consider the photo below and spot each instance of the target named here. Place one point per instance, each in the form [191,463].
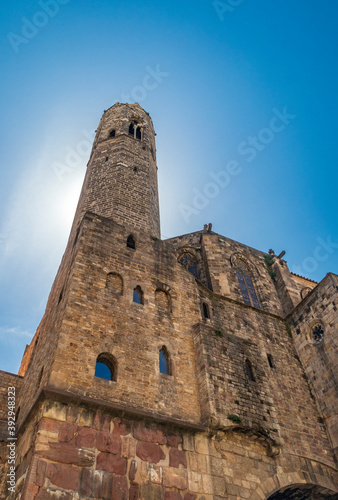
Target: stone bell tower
[192,368]
[121,178]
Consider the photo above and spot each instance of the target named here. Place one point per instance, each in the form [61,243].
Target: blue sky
[222,73]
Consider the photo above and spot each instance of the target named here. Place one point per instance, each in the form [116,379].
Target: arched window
[246,285]
[131,242]
[249,371]
[106,367]
[114,283]
[138,295]
[135,130]
[164,361]
[163,300]
[190,263]
[206,312]
[112,133]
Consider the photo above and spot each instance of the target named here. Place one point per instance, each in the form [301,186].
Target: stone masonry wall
[84,453]
[320,358]
[6,380]
[121,177]
[220,254]
[99,319]
[278,401]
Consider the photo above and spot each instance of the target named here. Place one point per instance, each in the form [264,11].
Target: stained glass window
[246,285]
[190,263]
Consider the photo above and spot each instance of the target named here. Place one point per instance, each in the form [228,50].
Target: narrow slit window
[271,361]
[138,133]
[138,295]
[249,371]
[164,361]
[112,133]
[206,312]
[40,376]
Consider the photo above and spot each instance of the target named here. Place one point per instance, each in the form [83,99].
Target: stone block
[219,486]
[175,478]
[172,495]
[64,476]
[67,433]
[177,457]
[55,410]
[202,444]
[85,437]
[67,454]
[101,422]
[152,492]
[120,488]
[132,470]
[190,496]
[121,427]
[150,434]
[109,443]
[41,472]
[149,452]
[96,484]
[195,482]
[188,442]
[128,447]
[111,463]
[134,492]
[174,439]
[48,424]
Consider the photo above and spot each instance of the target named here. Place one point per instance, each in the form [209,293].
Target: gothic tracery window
[246,285]
[317,334]
[190,263]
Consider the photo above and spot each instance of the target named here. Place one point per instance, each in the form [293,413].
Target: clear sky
[241,91]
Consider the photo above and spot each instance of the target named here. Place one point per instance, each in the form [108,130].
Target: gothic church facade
[192,368]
